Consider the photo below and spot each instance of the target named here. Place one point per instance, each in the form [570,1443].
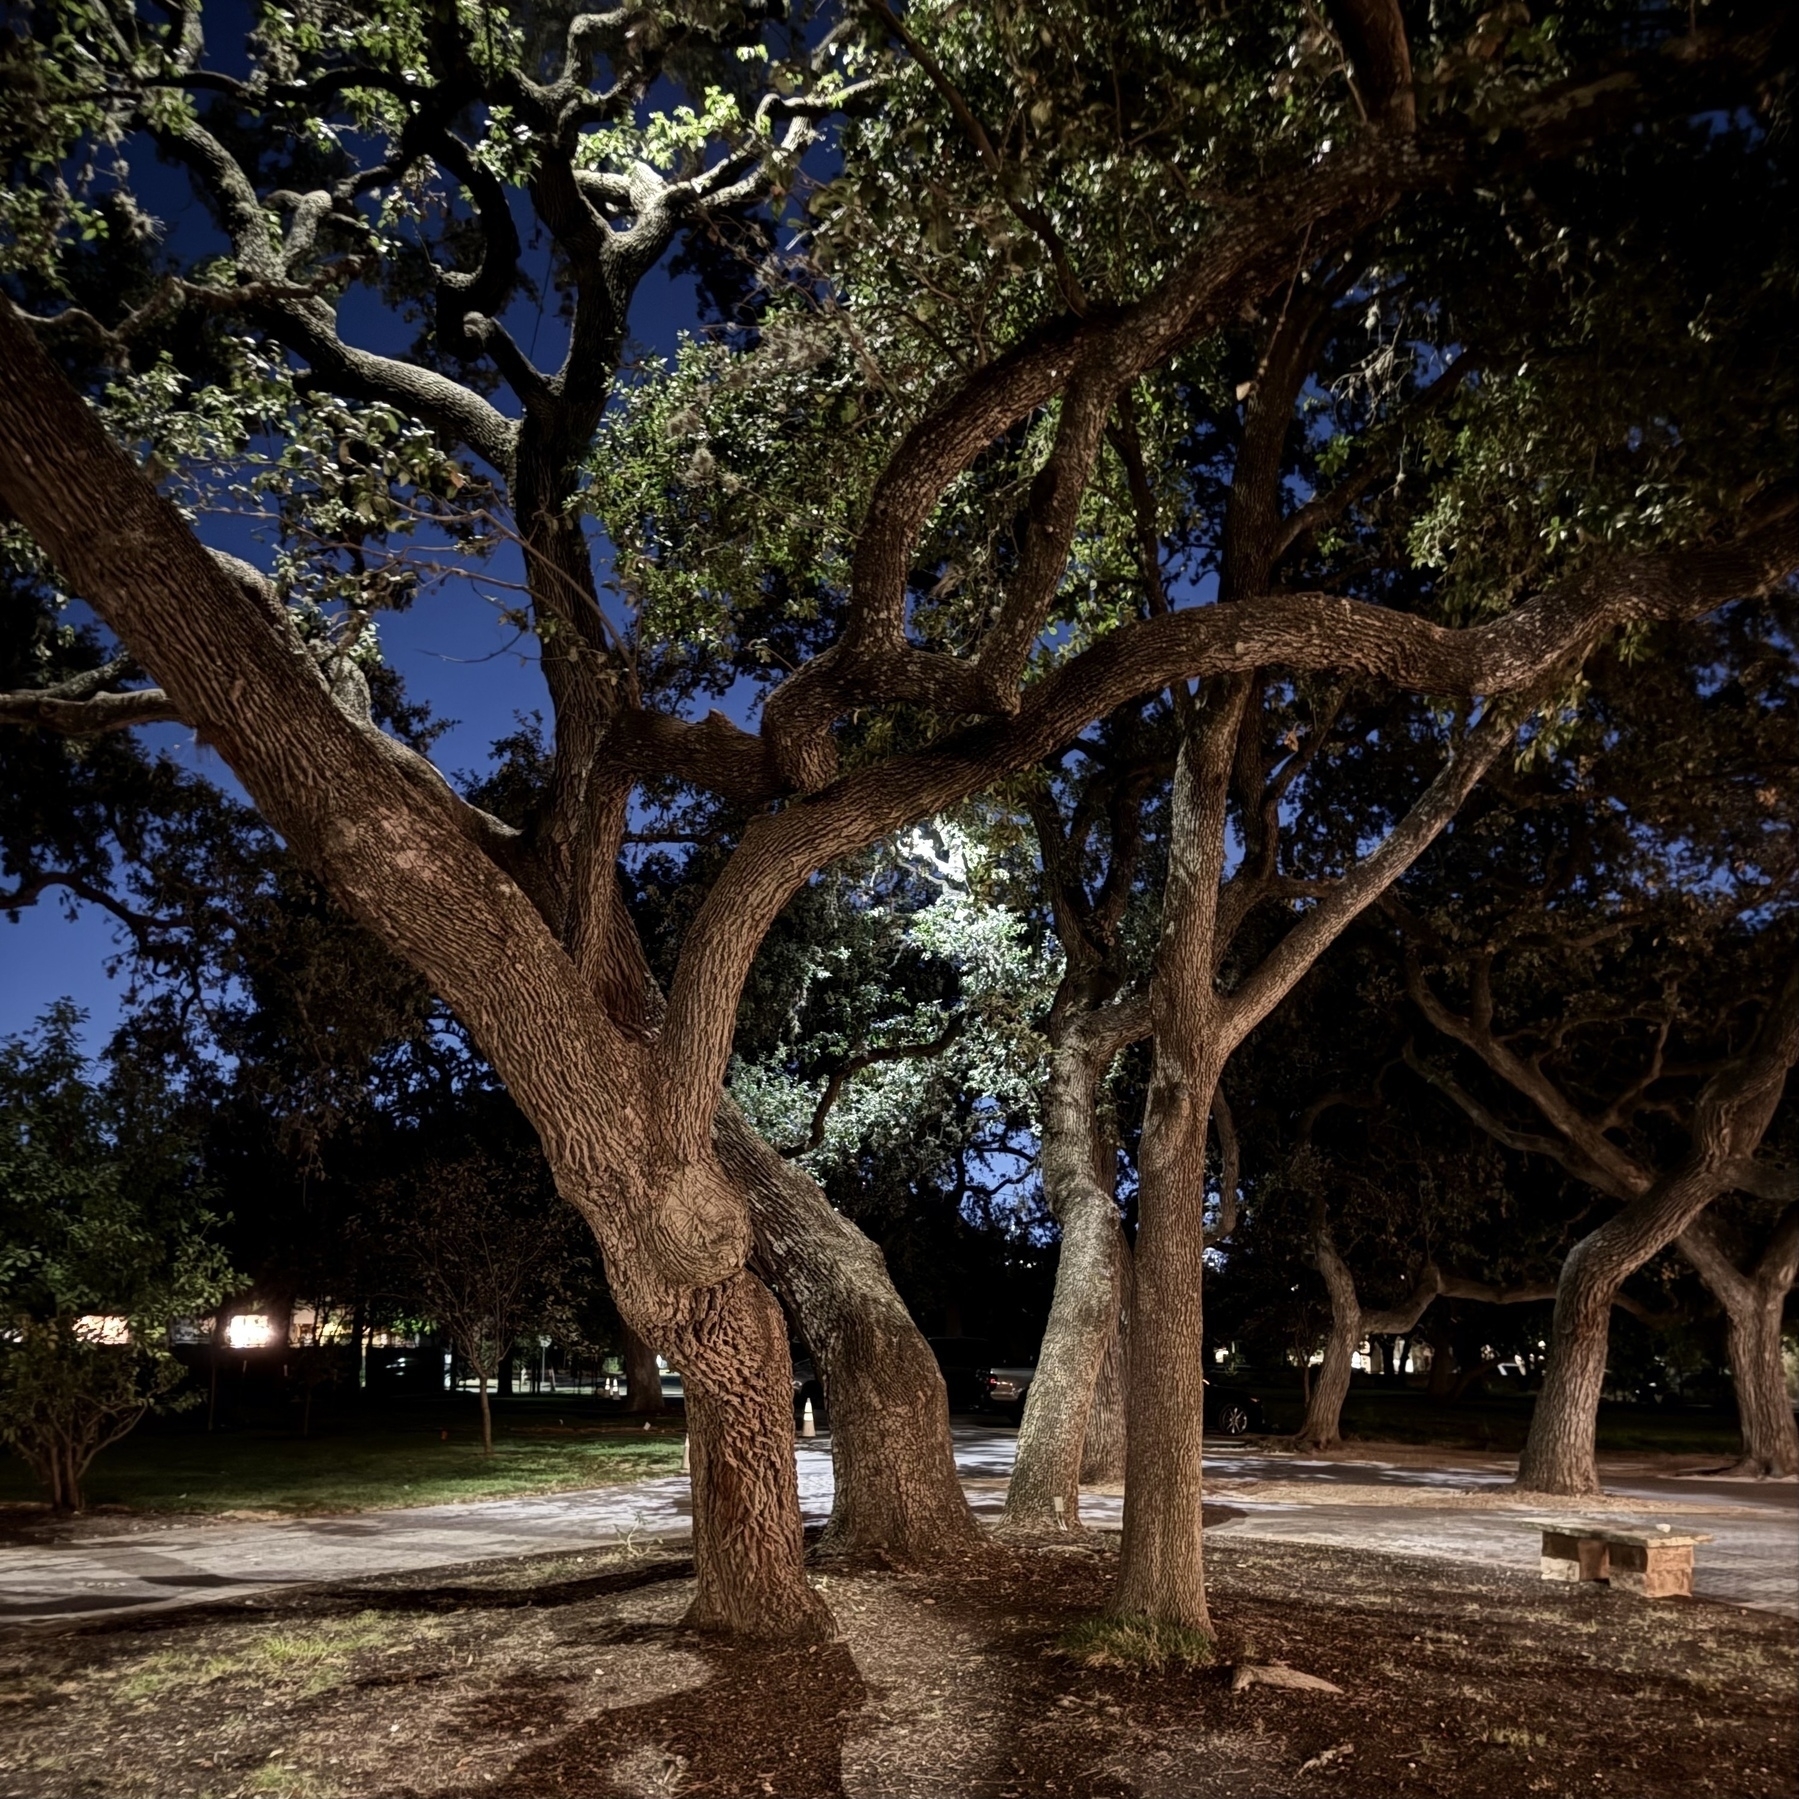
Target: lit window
[249,1330]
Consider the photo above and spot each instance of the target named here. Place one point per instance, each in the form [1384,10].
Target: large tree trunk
[897,1489]
[1729,1117]
[643,1376]
[747,1540]
[1045,1489]
[1753,1305]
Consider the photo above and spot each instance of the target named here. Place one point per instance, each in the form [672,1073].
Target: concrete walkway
[1753,1561]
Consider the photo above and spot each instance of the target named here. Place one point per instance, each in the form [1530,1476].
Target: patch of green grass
[386,1460]
[1137,1643]
[311,1661]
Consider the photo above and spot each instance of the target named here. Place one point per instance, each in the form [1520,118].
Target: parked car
[981,1376]
[1233,1412]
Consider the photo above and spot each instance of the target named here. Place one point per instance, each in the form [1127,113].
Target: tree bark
[1731,1113]
[643,1377]
[1753,1306]
[486,1414]
[897,1490]
[1323,1424]
[1103,1453]
[1090,1276]
[1322,1427]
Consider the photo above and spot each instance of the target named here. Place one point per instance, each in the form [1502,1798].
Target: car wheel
[1233,1421]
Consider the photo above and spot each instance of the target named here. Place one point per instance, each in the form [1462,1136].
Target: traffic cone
[807,1427]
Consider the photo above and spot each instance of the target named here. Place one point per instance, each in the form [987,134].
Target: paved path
[1754,1560]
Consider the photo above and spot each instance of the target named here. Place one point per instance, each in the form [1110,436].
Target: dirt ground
[573,1676]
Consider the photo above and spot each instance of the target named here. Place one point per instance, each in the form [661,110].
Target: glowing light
[105,1328]
[249,1330]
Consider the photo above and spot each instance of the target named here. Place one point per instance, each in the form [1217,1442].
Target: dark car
[1233,1412]
[981,1375]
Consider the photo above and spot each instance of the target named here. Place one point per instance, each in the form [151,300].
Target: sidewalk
[1403,1508]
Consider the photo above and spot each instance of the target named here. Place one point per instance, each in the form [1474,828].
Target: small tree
[484,1250]
[105,1236]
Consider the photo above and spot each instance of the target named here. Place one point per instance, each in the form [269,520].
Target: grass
[385,1458]
[302,1662]
[1136,1643]
[1376,1413]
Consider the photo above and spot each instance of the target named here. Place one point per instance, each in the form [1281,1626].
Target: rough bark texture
[1090,1276]
[740,1412]
[1103,1453]
[426,872]
[643,1378]
[897,1488]
[1729,1117]
[1754,1304]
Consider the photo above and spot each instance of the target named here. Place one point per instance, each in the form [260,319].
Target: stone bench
[1653,1564]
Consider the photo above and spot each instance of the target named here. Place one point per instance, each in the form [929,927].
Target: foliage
[108,1239]
[480,1245]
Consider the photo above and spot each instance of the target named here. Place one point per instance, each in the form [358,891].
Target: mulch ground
[573,1676]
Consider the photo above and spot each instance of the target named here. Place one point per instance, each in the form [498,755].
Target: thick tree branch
[45,710]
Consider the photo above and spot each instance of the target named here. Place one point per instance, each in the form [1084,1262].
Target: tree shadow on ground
[763,1720]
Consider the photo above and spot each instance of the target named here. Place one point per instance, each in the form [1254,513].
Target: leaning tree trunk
[1322,1427]
[897,1489]
[1729,1117]
[1045,1489]
[1753,1305]
[643,1376]
[1102,1455]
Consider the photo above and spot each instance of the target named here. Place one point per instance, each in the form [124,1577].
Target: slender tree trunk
[1323,1424]
[643,1378]
[486,1413]
[1753,1305]
[1090,1279]
[1161,1573]
[897,1489]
